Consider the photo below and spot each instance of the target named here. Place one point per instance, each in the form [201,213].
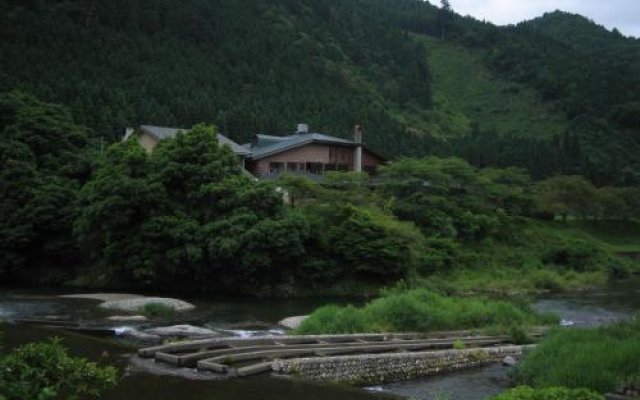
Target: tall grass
[157,310]
[420,310]
[600,359]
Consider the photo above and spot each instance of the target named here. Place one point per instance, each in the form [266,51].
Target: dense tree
[445,15]
[43,165]
[566,195]
[449,198]
[186,211]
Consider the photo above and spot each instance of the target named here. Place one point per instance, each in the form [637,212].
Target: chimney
[357,157]
[302,128]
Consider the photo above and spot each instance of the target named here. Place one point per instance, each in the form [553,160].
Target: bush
[421,311]
[45,371]
[600,359]
[552,393]
[578,255]
[546,279]
[155,310]
[362,242]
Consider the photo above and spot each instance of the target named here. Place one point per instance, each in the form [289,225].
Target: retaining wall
[383,368]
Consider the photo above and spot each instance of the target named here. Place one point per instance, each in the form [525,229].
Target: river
[576,309]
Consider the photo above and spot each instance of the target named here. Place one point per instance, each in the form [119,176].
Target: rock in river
[293,322]
[135,304]
[181,331]
[509,361]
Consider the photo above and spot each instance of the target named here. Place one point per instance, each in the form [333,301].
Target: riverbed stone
[127,318]
[137,303]
[181,331]
[102,296]
[142,336]
[509,361]
[293,322]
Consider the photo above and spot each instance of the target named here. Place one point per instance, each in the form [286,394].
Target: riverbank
[581,308]
[537,257]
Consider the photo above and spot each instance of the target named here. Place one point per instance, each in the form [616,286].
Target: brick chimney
[357,155]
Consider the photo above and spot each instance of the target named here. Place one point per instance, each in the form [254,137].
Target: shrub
[552,393]
[547,279]
[363,242]
[599,359]
[518,335]
[155,310]
[45,371]
[459,345]
[578,255]
[421,311]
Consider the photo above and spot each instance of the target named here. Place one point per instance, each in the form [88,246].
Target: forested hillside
[558,94]
[248,66]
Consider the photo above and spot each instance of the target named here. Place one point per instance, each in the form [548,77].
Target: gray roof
[161,132]
[267,145]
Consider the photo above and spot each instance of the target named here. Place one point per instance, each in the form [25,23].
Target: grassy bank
[420,310]
[600,359]
[542,256]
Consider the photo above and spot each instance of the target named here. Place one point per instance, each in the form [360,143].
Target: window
[295,167]
[315,168]
[276,167]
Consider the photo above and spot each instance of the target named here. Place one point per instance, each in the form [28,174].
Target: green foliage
[372,243]
[157,310]
[45,371]
[599,359]
[359,66]
[419,310]
[185,211]
[578,255]
[558,94]
[495,104]
[459,345]
[447,197]
[566,195]
[551,393]
[43,165]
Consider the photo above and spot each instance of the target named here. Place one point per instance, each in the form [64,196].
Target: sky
[621,14]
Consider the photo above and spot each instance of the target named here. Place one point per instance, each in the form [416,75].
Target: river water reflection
[582,309]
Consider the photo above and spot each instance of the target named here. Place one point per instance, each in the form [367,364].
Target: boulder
[141,336]
[509,361]
[181,331]
[135,304]
[102,296]
[293,322]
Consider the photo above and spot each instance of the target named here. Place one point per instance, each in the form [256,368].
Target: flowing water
[576,309]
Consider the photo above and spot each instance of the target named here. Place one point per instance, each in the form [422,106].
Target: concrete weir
[356,359]
[374,369]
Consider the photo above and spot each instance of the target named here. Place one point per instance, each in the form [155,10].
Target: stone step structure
[359,359]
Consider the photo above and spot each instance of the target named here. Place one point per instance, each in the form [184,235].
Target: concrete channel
[237,357]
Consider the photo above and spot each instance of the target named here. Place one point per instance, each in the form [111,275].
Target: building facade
[268,156]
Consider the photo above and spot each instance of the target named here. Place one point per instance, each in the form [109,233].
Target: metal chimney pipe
[357,157]
[302,128]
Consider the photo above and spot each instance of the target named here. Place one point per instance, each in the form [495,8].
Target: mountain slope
[505,107]
[558,94]
[249,66]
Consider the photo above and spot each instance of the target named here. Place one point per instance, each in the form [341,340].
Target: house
[149,135]
[267,157]
[311,154]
